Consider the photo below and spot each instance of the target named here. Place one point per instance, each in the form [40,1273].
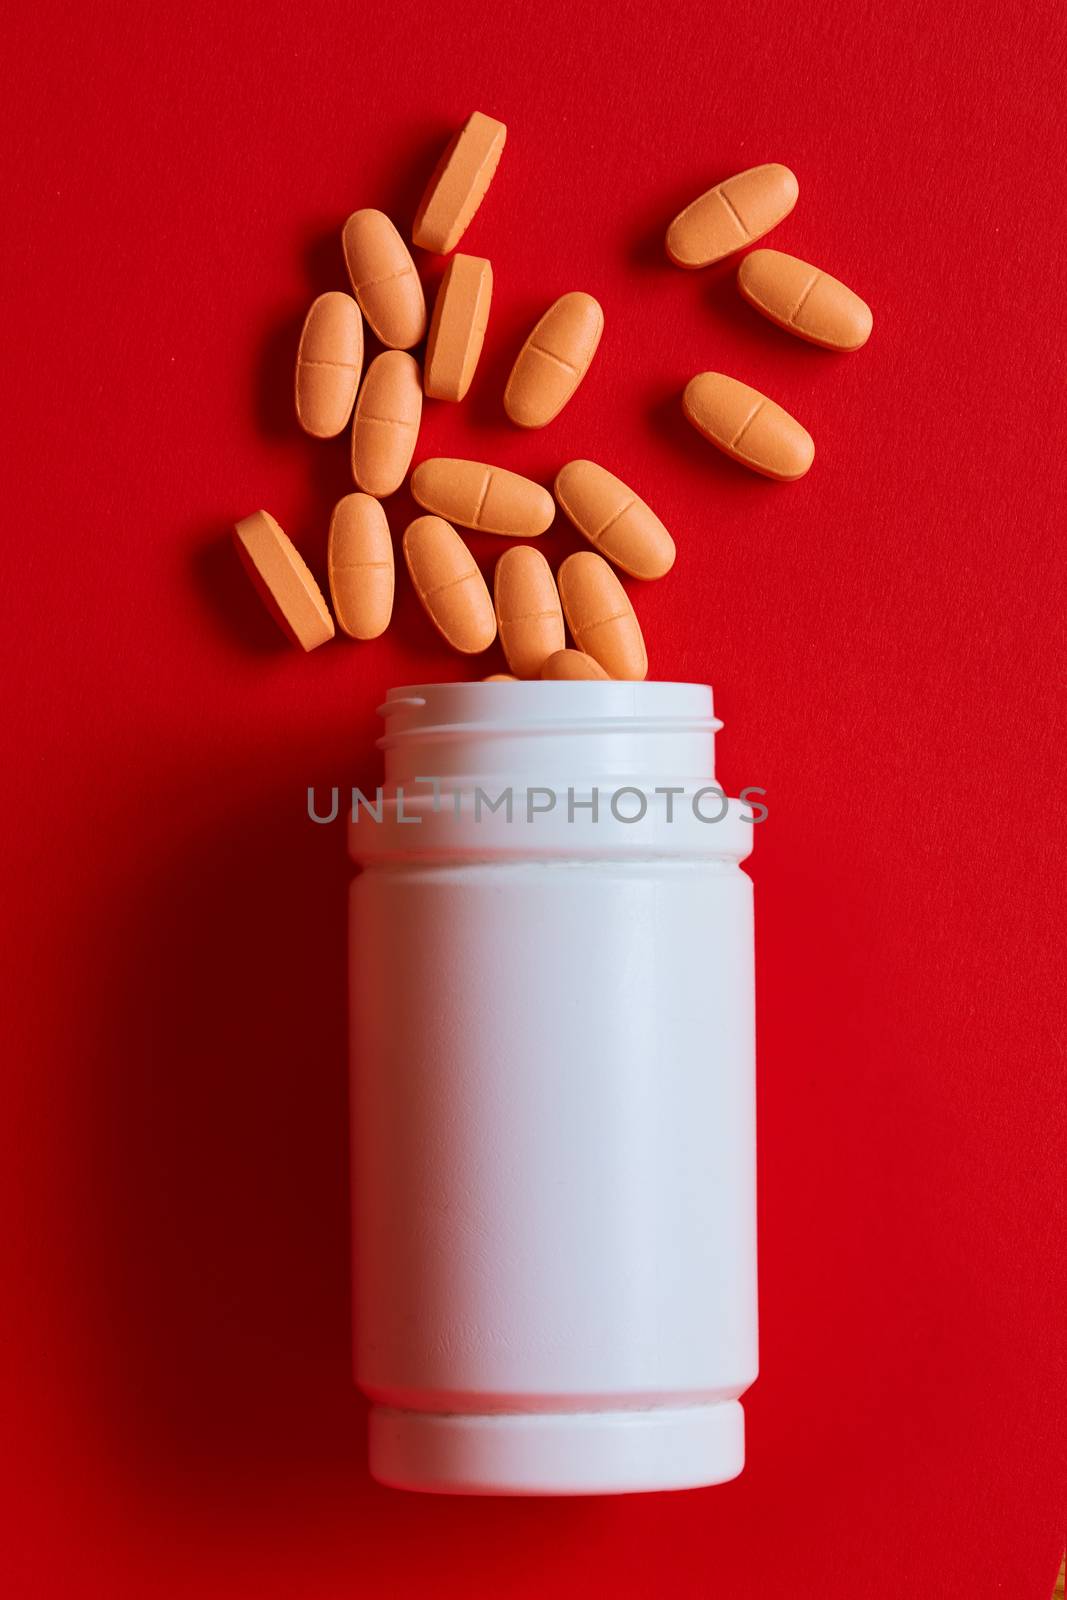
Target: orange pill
[475,495]
[447,581]
[384,280]
[283,580]
[457,327]
[747,426]
[500,677]
[359,559]
[328,362]
[554,360]
[615,520]
[804,300]
[528,612]
[572,665]
[732,215]
[458,186]
[385,425]
[600,616]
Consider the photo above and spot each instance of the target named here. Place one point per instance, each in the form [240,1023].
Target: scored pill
[459,183]
[804,300]
[528,611]
[733,214]
[328,362]
[600,616]
[359,560]
[570,665]
[489,499]
[554,360]
[384,279]
[615,520]
[748,427]
[385,425]
[457,327]
[447,581]
[283,580]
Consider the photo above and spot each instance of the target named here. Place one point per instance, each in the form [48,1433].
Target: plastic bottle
[553,1093]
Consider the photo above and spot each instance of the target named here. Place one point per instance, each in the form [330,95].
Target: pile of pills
[530,609]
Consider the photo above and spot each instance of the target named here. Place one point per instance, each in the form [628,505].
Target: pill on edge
[359,561]
[528,611]
[804,300]
[488,499]
[385,423]
[283,580]
[459,184]
[600,617]
[449,585]
[554,359]
[329,358]
[614,519]
[732,215]
[500,677]
[748,427]
[384,280]
[457,327]
[572,665]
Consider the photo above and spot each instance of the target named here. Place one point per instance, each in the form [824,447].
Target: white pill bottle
[553,1093]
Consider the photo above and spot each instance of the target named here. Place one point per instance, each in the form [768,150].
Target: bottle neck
[571,734]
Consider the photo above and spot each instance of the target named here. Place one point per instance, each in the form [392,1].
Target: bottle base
[557,1453]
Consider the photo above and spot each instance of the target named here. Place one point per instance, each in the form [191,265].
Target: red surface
[884,643]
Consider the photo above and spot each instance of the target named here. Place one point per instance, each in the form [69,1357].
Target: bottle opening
[578,729]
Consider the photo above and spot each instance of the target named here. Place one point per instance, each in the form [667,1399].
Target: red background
[884,642]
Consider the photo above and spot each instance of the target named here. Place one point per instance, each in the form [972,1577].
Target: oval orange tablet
[447,581]
[804,300]
[554,360]
[359,559]
[600,616]
[384,280]
[490,499]
[385,425]
[528,612]
[500,677]
[458,186]
[283,580]
[615,520]
[457,327]
[328,362]
[746,425]
[733,214]
[572,665]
